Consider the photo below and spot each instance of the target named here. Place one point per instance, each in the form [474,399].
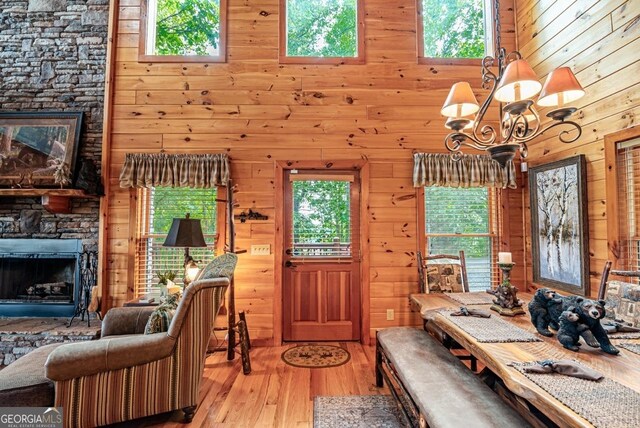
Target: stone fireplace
[39,277]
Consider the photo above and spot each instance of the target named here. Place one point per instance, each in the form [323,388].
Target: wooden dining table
[623,368]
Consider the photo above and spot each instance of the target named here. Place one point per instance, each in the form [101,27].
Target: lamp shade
[560,87]
[519,82]
[460,102]
[185,232]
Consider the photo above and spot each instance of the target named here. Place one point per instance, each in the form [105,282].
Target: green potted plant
[164,278]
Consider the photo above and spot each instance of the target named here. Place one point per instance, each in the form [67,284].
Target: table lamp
[186,232]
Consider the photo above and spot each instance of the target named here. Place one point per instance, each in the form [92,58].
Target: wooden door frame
[362,166]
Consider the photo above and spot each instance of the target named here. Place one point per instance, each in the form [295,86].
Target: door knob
[288,263]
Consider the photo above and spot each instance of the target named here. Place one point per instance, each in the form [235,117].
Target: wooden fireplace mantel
[56,201]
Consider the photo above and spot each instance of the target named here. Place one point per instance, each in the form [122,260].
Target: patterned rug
[315,356]
[359,411]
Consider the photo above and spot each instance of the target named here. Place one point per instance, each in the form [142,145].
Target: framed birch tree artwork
[559,230]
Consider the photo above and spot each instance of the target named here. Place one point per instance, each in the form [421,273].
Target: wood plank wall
[259,111]
[600,41]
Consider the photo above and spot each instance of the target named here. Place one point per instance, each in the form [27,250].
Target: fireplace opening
[37,280]
[39,277]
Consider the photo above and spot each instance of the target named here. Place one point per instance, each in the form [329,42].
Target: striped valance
[196,171]
[439,169]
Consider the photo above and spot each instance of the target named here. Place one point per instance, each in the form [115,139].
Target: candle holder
[506,300]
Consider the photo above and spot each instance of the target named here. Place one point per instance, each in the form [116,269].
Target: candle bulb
[505,258]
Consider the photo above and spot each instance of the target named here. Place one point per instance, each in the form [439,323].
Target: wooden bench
[433,388]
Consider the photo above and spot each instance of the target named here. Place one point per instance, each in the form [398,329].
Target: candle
[504,258]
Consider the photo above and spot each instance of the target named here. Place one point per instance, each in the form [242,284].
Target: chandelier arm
[563,133]
[455,140]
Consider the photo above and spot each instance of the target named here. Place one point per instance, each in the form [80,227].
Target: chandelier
[514,86]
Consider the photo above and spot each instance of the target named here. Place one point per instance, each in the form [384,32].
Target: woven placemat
[606,403]
[633,347]
[491,330]
[473,298]
[630,335]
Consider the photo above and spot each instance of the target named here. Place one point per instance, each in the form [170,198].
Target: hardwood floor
[274,394]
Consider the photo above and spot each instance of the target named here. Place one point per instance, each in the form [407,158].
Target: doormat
[358,411]
[315,356]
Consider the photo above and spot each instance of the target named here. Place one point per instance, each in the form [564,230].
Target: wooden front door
[321,284]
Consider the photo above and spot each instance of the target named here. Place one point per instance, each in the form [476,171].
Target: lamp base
[561,113]
[507,312]
[503,153]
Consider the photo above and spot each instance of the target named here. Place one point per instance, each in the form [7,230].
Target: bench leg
[379,378]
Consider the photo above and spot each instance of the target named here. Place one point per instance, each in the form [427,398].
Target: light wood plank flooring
[274,394]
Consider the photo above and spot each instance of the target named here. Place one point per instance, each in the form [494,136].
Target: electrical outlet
[261,250]
[390,315]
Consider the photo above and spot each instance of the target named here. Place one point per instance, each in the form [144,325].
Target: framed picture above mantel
[559,229]
[38,149]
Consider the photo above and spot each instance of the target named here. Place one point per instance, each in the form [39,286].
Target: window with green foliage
[453,28]
[157,207]
[321,218]
[321,28]
[463,219]
[184,28]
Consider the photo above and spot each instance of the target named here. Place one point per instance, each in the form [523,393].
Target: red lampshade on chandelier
[514,86]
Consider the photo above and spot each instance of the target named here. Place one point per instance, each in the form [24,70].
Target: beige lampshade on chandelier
[514,86]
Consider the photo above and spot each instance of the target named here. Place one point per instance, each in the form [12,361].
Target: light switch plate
[261,250]
[390,315]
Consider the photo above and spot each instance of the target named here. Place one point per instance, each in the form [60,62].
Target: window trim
[496,224]
[489,39]
[611,190]
[222,42]
[283,58]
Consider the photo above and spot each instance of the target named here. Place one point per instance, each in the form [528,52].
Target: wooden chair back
[423,261]
[622,297]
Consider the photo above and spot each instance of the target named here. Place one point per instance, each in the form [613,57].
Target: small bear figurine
[539,310]
[591,312]
[570,329]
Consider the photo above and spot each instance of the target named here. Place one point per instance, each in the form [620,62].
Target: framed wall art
[38,149]
[559,230]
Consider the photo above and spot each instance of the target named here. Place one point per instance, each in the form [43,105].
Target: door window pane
[321,219]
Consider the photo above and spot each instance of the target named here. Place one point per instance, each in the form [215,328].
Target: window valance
[167,170]
[439,169]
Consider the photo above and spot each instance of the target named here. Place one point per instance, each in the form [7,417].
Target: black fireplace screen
[37,280]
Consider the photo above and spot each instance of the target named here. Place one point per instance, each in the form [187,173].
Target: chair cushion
[444,278]
[447,393]
[23,383]
[220,267]
[161,317]
[623,302]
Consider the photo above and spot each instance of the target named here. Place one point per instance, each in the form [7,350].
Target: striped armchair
[127,376]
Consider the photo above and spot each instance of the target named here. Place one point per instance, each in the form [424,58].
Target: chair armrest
[74,360]
[120,321]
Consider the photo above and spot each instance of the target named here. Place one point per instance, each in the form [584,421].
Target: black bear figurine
[539,310]
[570,329]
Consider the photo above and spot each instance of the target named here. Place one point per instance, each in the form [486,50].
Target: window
[325,31]
[157,207]
[622,215]
[464,219]
[453,29]
[171,30]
